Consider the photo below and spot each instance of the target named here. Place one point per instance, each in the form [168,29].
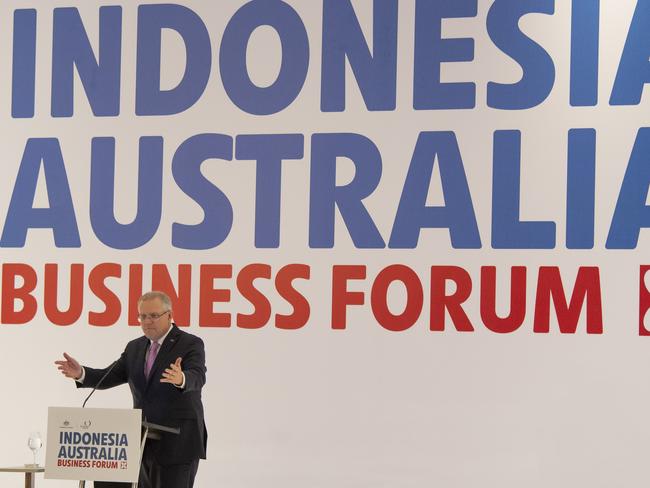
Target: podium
[98,444]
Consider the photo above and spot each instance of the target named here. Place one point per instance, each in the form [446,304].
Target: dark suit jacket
[164,403]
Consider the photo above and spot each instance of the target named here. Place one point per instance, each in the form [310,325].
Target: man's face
[154,329]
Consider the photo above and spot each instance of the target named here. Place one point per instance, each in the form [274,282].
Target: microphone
[101,380]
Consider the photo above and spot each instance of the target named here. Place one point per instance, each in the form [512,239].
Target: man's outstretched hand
[173,374]
[69,368]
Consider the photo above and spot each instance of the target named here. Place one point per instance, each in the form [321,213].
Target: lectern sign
[93,444]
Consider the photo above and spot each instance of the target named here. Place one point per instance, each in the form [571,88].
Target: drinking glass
[34,442]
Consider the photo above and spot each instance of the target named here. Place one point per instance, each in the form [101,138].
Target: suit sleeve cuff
[81,378]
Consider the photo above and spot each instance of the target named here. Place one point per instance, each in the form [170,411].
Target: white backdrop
[364,406]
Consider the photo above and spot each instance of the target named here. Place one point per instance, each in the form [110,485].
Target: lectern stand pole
[149,431]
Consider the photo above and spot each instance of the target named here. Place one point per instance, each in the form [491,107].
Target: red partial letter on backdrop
[11,293]
[181,301]
[517,314]
[341,297]
[453,303]
[51,287]
[644,300]
[97,284]
[587,288]
[414,297]
[283,283]
[135,292]
[208,295]
[261,305]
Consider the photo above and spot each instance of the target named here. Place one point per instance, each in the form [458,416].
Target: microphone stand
[82,483]
[101,380]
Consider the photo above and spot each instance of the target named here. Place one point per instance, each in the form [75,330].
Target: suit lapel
[138,361]
[162,360]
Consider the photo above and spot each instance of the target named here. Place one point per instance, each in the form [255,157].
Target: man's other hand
[70,368]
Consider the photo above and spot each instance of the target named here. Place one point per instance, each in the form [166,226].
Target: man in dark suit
[165,370]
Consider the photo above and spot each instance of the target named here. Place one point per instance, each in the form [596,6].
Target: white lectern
[102,444]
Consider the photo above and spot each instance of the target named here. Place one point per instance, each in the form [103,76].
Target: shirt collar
[162,339]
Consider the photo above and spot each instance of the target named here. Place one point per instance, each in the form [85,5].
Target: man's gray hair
[152,295]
